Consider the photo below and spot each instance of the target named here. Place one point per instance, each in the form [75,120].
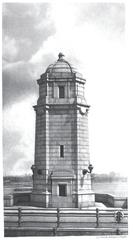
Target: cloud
[10,49]
[10,160]
[109,17]
[21,22]
[18,136]
[9,137]
[17,82]
[11,153]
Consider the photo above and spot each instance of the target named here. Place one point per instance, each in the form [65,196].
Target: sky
[92,38]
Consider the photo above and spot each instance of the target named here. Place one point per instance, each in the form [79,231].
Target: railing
[64,218]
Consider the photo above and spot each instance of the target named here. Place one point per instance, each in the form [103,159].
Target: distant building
[60,177]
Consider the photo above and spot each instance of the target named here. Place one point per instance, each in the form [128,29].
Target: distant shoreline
[94,176]
[101,183]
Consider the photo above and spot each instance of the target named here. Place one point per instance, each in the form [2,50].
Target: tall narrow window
[61,91]
[62,190]
[61,150]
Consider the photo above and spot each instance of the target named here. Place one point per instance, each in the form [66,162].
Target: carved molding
[41,110]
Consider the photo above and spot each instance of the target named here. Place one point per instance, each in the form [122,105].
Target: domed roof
[61,67]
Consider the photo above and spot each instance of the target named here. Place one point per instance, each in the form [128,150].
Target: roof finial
[60,55]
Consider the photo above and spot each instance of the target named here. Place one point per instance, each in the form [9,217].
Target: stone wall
[82,151]
[61,132]
[8,200]
[40,181]
[22,198]
[111,201]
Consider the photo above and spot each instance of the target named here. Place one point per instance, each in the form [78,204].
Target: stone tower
[61,140]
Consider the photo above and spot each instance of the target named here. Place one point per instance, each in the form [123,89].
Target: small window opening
[61,91]
[62,190]
[61,150]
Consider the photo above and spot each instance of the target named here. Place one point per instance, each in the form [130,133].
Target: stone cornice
[60,106]
[74,78]
[63,177]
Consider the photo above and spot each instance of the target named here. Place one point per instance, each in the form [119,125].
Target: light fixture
[85,171]
[90,167]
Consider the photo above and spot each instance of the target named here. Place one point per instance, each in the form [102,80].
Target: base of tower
[40,199]
[85,200]
[76,200]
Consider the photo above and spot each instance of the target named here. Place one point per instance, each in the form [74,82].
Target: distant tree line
[24,178]
[96,177]
[107,177]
